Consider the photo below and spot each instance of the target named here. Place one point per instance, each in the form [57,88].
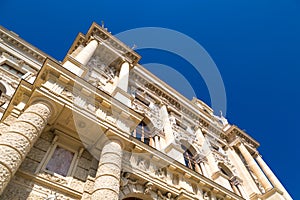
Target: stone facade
[100,126]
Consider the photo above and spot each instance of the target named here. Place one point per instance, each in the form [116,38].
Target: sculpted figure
[163,197]
[206,196]
[148,188]
[125,180]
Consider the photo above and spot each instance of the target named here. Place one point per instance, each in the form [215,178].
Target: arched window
[142,133]
[188,158]
[12,70]
[231,178]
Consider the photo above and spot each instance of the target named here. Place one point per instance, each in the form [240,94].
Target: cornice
[163,160]
[174,100]
[13,40]
[233,132]
[102,35]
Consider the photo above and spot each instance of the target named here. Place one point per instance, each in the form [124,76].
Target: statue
[168,196]
[125,180]
[148,187]
[206,196]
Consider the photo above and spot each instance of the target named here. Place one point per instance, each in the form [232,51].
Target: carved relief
[143,164]
[182,134]
[161,173]
[223,158]
[53,178]
[167,196]
[99,73]
[152,112]
[206,195]
[148,187]
[125,179]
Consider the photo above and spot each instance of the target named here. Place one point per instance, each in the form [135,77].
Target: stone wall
[31,182]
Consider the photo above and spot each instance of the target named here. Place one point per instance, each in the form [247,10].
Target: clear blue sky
[255,45]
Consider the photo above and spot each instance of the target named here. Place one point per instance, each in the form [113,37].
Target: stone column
[157,144]
[83,57]
[242,191]
[120,91]
[87,52]
[203,168]
[212,165]
[200,137]
[197,168]
[151,142]
[107,181]
[17,141]
[169,136]
[273,179]
[249,185]
[254,167]
[124,77]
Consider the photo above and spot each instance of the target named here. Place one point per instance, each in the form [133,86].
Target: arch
[230,177]
[191,147]
[144,131]
[190,154]
[225,170]
[137,196]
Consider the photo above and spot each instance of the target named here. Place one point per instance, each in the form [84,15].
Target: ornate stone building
[100,126]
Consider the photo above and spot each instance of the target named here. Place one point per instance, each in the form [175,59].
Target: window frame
[49,155]
[19,71]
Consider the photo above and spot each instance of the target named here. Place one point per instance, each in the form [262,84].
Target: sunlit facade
[98,125]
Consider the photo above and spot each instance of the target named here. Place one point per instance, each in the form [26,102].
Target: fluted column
[254,167]
[107,181]
[17,141]
[273,179]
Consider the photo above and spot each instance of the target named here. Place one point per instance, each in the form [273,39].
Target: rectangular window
[60,161]
[12,70]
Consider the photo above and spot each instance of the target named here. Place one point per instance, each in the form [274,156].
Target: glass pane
[60,161]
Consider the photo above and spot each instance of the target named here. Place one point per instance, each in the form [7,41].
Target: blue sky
[255,45]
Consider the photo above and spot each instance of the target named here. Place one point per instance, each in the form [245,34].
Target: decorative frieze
[23,48]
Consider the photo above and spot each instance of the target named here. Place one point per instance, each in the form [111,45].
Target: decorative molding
[22,46]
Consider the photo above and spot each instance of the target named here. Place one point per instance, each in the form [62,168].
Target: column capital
[116,139]
[54,109]
[256,154]
[236,180]
[236,142]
